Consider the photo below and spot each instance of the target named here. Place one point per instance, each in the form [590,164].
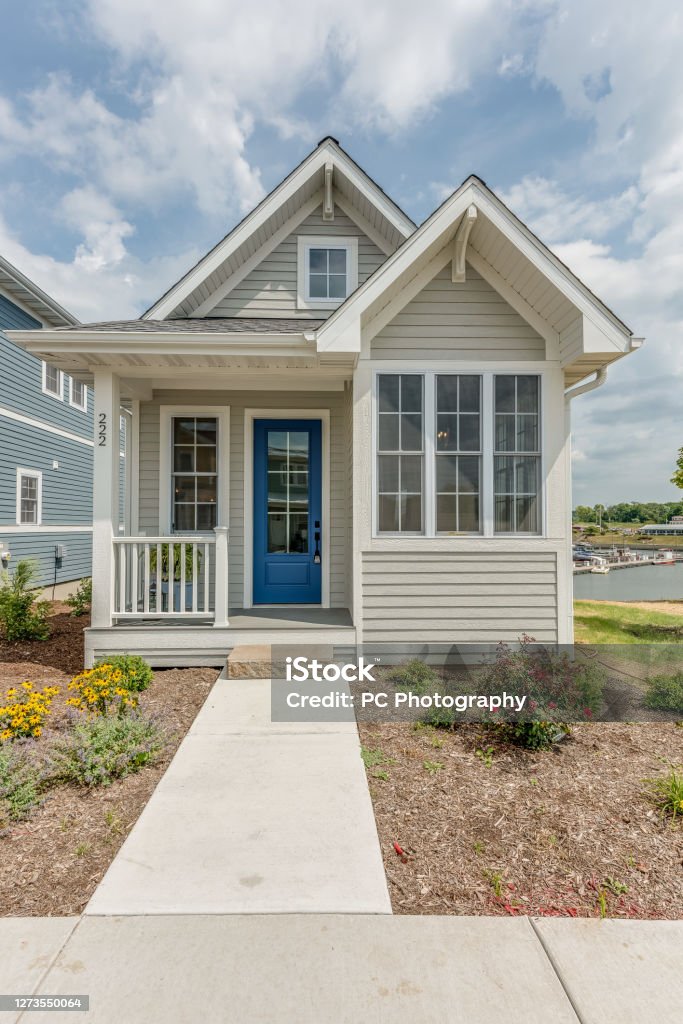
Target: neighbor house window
[53,381]
[78,394]
[327,270]
[400,453]
[458,453]
[194,478]
[29,497]
[517,453]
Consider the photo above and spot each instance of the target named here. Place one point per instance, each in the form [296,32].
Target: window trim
[307,242]
[166,415]
[45,389]
[486,484]
[74,404]
[36,474]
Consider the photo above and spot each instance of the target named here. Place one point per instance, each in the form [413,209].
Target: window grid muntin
[509,502]
[326,275]
[78,394]
[204,513]
[29,499]
[457,453]
[409,407]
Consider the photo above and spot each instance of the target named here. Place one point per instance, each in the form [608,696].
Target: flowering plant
[101,689]
[24,710]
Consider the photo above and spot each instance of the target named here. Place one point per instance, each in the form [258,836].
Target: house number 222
[102,430]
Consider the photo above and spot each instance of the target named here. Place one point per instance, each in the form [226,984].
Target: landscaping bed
[52,860]
[489,828]
[62,649]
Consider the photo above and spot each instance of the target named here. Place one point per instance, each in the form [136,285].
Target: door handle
[316,537]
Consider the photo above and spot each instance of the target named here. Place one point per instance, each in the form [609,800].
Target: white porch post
[220,601]
[105,494]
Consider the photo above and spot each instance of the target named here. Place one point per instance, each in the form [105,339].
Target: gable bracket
[328,199]
[458,271]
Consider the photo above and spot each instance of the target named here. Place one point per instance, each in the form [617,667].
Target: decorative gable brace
[328,198]
[458,272]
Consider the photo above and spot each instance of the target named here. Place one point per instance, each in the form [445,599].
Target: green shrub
[22,617]
[98,750]
[665,693]
[667,792]
[136,673]
[81,600]
[534,735]
[416,676]
[20,784]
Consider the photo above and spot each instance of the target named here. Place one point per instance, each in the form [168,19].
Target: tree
[677,478]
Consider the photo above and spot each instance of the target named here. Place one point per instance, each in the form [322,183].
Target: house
[46,444]
[344,428]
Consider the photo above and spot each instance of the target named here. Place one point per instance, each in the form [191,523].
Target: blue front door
[287,512]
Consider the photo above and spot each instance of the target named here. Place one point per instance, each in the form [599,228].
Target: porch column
[220,600]
[105,494]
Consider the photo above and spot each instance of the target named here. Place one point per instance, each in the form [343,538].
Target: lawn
[599,622]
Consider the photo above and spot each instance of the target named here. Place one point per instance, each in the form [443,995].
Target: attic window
[327,270]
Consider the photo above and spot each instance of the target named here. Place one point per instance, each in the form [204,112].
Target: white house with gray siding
[343,428]
[45,444]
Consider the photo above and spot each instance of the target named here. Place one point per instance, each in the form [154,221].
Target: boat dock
[615,562]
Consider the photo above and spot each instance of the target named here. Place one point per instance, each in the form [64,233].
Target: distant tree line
[628,512]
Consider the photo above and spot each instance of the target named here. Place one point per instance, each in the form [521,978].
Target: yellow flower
[27,685]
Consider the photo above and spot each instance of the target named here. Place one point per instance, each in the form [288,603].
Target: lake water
[645,583]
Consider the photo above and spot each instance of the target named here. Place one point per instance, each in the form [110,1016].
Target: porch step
[249,661]
[255,661]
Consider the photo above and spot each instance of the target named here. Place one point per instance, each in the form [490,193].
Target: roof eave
[34,294]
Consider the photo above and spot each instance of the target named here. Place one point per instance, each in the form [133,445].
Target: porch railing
[172,577]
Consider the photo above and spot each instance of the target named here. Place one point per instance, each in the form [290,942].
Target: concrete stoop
[255,661]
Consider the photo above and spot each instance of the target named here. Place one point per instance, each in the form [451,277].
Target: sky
[135,133]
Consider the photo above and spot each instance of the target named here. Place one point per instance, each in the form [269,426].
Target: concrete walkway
[344,969]
[253,817]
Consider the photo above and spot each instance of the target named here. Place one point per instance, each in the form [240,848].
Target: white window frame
[486,483]
[46,391]
[167,413]
[72,402]
[304,245]
[36,474]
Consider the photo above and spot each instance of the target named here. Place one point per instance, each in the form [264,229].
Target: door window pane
[400,458]
[288,459]
[517,472]
[458,429]
[194,481]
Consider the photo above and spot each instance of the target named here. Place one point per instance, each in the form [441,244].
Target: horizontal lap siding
[340,503]
[271,288]
[67,490]
[21,391]
[458,321]
[40,548]
[422,597]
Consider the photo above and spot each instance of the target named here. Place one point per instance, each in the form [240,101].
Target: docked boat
[664,557]
[602,569]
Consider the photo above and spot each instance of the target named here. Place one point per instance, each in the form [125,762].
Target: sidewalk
[346,969]
[253,817]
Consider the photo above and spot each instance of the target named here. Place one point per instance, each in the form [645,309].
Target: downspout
[574,392]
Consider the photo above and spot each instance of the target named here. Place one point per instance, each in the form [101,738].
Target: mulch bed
[63,649]
[567,832]
[51,862]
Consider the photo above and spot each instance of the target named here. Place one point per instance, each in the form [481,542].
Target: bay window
[435,476]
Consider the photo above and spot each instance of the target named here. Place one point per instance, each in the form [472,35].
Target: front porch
[202,541]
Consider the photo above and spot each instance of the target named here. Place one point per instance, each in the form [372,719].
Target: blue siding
[40,548]
[67,490]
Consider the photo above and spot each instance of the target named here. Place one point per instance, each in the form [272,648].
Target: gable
[468,320]
[270,289]
[14,318]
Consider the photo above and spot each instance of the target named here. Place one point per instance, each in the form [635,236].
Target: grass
[598,622]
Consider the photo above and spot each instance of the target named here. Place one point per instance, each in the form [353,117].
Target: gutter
[591,385]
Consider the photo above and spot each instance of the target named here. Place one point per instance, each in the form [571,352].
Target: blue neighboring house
[46,446]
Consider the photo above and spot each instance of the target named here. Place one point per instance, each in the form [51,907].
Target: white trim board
[304,244]
[248,469]
[166,414]
[30,422]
